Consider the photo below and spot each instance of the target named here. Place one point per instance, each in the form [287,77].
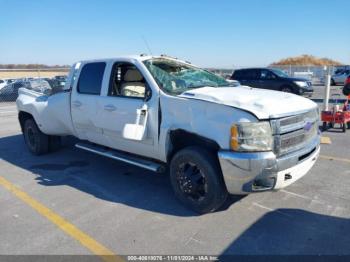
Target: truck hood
[264,104]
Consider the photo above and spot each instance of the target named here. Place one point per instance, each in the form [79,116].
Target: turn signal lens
[234,138]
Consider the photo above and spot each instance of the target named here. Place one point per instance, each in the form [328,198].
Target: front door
[128,95]
[267,80]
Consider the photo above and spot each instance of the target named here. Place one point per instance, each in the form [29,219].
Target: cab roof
[142,57]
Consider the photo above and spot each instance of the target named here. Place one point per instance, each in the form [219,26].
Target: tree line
[31,66]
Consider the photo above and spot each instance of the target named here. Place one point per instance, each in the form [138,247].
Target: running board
[121,156]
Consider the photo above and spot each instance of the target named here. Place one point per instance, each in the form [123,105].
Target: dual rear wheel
[37,142]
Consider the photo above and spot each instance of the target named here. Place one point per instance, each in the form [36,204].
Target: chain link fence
[11,80]
[316,74]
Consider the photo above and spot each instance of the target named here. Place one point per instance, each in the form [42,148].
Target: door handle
[110,108]
[77,103]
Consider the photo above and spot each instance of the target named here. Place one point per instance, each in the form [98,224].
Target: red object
[329,118]
[347,81]
[340,117]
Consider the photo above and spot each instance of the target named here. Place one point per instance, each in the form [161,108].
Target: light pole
[327,85]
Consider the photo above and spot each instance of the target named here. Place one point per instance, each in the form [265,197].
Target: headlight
[301,83]
[251,137]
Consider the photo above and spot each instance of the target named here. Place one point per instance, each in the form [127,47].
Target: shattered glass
[175,77]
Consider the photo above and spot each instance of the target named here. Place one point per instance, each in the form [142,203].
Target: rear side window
[90,79]
[251,74]
[1,82]
[237,74]
[247,74]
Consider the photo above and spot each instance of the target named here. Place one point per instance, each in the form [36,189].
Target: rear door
[249,77]
[85,94]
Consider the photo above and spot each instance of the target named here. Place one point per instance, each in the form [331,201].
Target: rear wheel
[333,82]
[344,127]
[197,180]
[36,141]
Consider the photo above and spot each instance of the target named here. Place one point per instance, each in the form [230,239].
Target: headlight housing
[248,137]
[301,83]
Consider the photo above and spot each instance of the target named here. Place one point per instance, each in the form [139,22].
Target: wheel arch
[290,86]
[180,138]
[22,117]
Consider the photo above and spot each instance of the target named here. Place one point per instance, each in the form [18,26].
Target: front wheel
[286,89]
[197,180]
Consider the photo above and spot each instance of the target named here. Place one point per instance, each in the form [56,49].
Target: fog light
[287,177]
[264,183]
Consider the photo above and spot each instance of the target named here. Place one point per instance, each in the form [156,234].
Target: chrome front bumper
[252,172]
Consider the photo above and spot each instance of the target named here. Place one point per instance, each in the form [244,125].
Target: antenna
[146,43]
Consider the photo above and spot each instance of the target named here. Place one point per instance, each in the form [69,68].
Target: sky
[221,33]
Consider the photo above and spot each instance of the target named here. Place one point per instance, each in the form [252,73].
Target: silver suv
[340,77]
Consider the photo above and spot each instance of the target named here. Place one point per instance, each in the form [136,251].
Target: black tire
[344,128]
[36,141]
[333,82]
[346,90]
[197,180]
[348,125]
[324,126]
[286,89]
[54,143]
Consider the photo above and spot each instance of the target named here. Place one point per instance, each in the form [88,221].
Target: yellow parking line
[84,239]
[335,158]
[325,140]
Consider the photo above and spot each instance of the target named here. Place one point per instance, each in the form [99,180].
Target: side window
[90,79]
[250,74]
[266,75]
[126,81]
[1,81]
[237,74]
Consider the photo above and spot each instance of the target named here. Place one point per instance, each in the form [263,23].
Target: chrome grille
[294,132]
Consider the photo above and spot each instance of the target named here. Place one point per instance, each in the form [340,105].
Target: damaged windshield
[175,78]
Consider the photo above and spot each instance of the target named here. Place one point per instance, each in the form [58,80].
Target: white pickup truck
[163,114]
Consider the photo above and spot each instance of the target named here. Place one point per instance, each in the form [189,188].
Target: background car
[2,83]
[10,92]
[61,79]
[340,77]
[274,79]
[10,80]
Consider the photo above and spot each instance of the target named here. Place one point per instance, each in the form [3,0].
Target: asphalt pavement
[76,203]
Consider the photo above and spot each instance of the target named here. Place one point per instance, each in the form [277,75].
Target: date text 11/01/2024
[172,258]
